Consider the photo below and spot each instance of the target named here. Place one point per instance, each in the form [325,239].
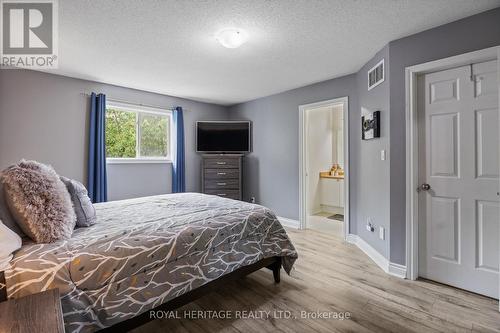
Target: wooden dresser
[221,175]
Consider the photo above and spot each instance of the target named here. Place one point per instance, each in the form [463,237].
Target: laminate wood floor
[332,276]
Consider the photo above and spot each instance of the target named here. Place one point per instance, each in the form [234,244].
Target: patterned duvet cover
[144,252]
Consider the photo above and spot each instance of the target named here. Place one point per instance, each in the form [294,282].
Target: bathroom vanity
[332,191]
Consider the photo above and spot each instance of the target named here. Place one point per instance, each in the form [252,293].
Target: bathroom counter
[326,174]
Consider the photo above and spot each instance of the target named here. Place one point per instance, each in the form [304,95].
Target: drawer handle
[221,163]
[222,194]
[222,184]
[221,173]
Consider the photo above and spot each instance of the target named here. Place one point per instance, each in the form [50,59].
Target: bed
[147,252]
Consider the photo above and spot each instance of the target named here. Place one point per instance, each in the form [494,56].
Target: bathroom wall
[319,152]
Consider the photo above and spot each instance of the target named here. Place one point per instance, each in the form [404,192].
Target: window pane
[120,134]
[154,135]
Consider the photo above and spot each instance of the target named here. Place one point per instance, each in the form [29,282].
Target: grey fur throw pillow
[5,214]
[84,209]
[39,201]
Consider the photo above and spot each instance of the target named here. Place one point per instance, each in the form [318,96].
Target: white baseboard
[397,270]
[286,222]
[315,211]
[381,261]
[332,209]
[352,238]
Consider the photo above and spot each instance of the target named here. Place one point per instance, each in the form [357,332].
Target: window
[137,134]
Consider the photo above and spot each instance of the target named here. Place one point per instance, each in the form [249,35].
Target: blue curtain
[97,180]
[178,168]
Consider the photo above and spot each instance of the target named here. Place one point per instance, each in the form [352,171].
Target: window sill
[138,161]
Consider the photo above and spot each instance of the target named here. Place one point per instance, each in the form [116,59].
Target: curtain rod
[135,104]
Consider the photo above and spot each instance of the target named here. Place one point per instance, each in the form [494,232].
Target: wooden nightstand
[34,313]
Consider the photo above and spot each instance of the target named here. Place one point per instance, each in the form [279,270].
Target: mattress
[144,252]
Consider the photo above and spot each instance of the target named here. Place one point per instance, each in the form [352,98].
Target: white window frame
[126,107]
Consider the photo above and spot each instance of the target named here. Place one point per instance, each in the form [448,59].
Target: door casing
[412,158]
[303,159]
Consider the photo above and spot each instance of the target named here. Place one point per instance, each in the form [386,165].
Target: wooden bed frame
[3,287]
[273,263]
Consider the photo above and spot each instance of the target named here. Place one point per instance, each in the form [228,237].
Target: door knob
[424,187]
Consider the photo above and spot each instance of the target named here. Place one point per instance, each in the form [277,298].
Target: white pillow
[9,242]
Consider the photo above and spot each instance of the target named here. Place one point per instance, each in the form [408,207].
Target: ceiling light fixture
[231,37]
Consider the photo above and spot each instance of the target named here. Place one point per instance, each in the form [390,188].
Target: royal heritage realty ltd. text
[244,314]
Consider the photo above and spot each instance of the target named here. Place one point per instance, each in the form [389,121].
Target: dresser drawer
[222,173]
[222,163]
[222,184]
[231,194]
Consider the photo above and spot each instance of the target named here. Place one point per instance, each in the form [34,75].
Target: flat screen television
[223,136]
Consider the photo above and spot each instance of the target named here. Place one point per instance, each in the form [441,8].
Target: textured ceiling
[169,46]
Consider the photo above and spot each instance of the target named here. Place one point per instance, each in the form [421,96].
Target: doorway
[324,166]
[454,172]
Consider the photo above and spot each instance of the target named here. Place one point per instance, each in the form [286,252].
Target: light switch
[382,155]
[381,233]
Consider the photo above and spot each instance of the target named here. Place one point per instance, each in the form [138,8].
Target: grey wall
[139,180]
[466,35]
[272,169]
[45,117]
[370,176]
[377,187]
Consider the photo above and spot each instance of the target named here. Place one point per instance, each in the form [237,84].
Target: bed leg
[276,268]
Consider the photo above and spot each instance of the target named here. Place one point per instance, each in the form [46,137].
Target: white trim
[498,81]
[138,109]
[412,141]
[352,238]
[286,222]
[397,270]
[302,160]
[131,107]
[141,160]
[381,261]
[374,255]
[371,69]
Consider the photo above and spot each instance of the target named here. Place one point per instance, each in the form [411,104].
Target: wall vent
[376,75]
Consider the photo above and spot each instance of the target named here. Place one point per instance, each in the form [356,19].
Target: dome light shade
[231,38]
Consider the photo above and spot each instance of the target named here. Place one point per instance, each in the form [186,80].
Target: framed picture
[370,126]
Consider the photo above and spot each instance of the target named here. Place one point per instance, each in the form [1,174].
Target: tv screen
[223,137]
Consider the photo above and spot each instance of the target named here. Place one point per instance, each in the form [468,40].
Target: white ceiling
[169,46]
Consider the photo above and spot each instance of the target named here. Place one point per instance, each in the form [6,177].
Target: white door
[459,170]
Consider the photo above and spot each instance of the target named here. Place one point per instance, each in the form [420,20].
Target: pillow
[5,214]
[39,201]
[9,242]
[84,209]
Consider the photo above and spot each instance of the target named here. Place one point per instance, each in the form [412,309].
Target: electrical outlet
[252,200]
[370,227]
[381,233]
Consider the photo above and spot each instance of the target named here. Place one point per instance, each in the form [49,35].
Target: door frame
[412,73]
[303,158]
